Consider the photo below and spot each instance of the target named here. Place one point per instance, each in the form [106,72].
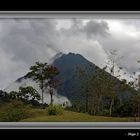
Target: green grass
[41,115]
[69,116]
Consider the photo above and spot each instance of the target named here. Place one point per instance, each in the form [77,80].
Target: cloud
[83,38]
[94,28]
[125,39]
[27,39]
[24,41]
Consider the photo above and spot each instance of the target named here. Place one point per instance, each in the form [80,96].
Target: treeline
[103,94]
[27,95]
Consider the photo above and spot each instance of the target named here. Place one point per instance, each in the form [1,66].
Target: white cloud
[24,41]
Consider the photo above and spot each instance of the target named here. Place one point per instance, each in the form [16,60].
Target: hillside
[70,87]
[68,65]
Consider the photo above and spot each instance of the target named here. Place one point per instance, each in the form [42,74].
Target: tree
[84,77]
[94,86]
[39,74]
[14,95]
[52,81]
[100,88]
[43,74]
[136,85]
[25,94]
[28,93]
[138,96]
[4,96]
[112,59]
[102,85]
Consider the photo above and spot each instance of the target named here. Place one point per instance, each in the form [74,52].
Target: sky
[25,41]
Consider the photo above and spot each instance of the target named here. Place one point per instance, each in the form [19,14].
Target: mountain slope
[68,65]
[70,88]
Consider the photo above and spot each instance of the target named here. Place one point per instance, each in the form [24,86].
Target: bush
[104,112]
[55,110]
[12,115]
[44,106]
[13,111]
[127,109]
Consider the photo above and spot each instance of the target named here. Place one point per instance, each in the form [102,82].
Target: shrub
[55,110]
[104,112]
[12,115]
[126,109]
[44,106]
[13,111]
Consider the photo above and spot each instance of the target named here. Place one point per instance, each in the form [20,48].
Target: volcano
[69,91]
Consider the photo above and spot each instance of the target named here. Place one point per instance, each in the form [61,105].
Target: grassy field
[40,115]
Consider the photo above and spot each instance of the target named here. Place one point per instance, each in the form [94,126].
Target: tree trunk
[51,93]
[42,97]
[120,101]
[111,105]
[51,100]
[98,105]
[139,111]
[86,102]
[42,92]
[95,110]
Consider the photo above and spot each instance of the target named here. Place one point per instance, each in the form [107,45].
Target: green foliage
[42,72]
[104,112]
[4,96]
[55,110]
[101,92]
[26,94]
[38,72]
[13,112]
[14,95]
[127,108]
[12,115]
[94,87]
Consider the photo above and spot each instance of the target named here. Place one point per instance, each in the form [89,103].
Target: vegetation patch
[13,112]
[55,110]
[70,116]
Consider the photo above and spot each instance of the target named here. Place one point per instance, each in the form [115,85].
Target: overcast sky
[25,41]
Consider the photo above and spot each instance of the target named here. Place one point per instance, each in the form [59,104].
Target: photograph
[69,70]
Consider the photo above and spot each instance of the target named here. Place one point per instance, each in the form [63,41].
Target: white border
[69,125]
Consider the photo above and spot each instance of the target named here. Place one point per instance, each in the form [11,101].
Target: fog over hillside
[57,99]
